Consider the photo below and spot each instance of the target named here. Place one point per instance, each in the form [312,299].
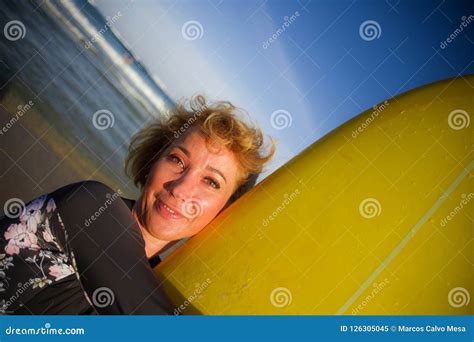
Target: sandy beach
[36,158]
[68,112]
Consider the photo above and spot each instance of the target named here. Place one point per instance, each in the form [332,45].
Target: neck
[152,245]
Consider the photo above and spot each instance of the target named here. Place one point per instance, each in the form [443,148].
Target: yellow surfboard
[374,218]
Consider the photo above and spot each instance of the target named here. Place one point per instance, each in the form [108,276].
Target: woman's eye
[175,159]
[213,183]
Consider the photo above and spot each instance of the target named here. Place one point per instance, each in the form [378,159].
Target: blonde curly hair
[219,122]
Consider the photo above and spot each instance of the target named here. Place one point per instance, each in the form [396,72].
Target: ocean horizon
[71,73]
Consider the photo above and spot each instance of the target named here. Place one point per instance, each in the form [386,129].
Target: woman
[83,249]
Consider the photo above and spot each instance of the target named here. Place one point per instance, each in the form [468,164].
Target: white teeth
[170,210]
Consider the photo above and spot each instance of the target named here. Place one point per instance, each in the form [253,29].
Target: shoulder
[93,186]
[93,204]
[85,190]
[86,196]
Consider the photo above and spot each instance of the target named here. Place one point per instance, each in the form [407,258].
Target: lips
[168,211]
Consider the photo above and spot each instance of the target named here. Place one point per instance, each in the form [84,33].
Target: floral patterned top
[77,250]
[35,249]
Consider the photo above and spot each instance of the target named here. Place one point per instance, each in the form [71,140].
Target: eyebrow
[188,154]
[185,151]
[216,171]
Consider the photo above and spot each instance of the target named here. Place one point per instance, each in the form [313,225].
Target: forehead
[199,146]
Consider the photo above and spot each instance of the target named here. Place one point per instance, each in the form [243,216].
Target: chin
[169,233]
[164,236]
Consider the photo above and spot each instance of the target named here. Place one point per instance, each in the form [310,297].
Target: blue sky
[320,71]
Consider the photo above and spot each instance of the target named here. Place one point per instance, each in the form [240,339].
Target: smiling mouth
[166,211]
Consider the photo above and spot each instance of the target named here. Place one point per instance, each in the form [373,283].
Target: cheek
[211,208]
[159,175]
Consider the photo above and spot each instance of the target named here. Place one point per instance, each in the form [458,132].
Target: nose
[182,187]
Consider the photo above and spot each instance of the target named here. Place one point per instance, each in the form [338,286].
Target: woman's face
[187,187]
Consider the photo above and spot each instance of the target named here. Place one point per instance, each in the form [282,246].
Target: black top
[77,250]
